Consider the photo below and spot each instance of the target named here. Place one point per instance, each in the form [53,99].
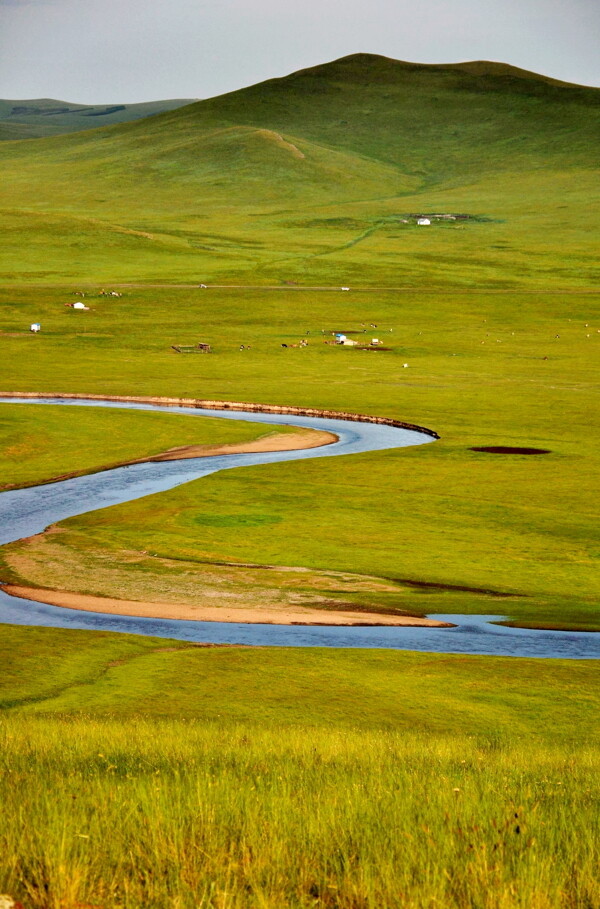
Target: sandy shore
[276,441]
[288,615]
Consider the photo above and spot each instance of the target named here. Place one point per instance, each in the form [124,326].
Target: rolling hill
[318,177]
[34,119]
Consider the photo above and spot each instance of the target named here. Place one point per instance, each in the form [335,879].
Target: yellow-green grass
[38,444]
[125,676]
[148,772]
[141,772]
[308,178]
[439,514]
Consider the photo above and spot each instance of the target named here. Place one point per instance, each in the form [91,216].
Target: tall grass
[187,814]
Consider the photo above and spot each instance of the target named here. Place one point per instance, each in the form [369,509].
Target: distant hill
[46,117]
[318,176]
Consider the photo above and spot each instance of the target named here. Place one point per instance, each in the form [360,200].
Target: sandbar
[288,615]
[276,441]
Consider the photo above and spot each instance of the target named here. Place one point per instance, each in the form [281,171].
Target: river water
[24,512]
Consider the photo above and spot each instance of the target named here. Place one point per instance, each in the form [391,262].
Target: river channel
[25,512]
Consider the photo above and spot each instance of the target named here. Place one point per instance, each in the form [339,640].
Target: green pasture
[139,771]
[483,369]
[38,444]
[144,772]
[310,178]
[121,676]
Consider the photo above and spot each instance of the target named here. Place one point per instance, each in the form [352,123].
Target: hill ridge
[34,118]
[317,177]
[471,67]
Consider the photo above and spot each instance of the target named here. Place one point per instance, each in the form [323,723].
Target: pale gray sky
[95,51]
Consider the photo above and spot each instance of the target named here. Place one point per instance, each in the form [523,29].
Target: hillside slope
[34,119]
[316,175]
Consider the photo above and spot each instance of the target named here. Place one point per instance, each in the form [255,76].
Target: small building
[35,327]
[348,342]
[374,341]
[423,222]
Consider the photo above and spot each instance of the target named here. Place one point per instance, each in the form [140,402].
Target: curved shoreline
[242,406]
[240,615]
[301,440]
[137,623]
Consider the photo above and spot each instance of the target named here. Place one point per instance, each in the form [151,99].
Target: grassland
[442,514]
[324,167]
[41,444]
[141,772]
[144,772]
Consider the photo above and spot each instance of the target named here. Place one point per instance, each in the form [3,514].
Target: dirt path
[288,615]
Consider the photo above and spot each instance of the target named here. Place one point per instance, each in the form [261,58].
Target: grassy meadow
[39,444]
[46,117]
[483,369]
[146,772]
[311,178]
[138,772]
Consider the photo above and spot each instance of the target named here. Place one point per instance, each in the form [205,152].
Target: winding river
[25,512]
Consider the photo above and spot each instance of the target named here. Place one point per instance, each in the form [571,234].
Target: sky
[109,51]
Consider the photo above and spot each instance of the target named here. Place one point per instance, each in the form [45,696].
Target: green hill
[317,177]
[46,117]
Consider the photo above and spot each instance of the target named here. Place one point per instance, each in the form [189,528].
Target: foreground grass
[172,814]
[138,772]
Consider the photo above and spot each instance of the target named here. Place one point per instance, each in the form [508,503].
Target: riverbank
[273,441]
[206,404]
[242,615]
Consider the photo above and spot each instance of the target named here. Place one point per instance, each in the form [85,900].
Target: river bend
[24,512]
